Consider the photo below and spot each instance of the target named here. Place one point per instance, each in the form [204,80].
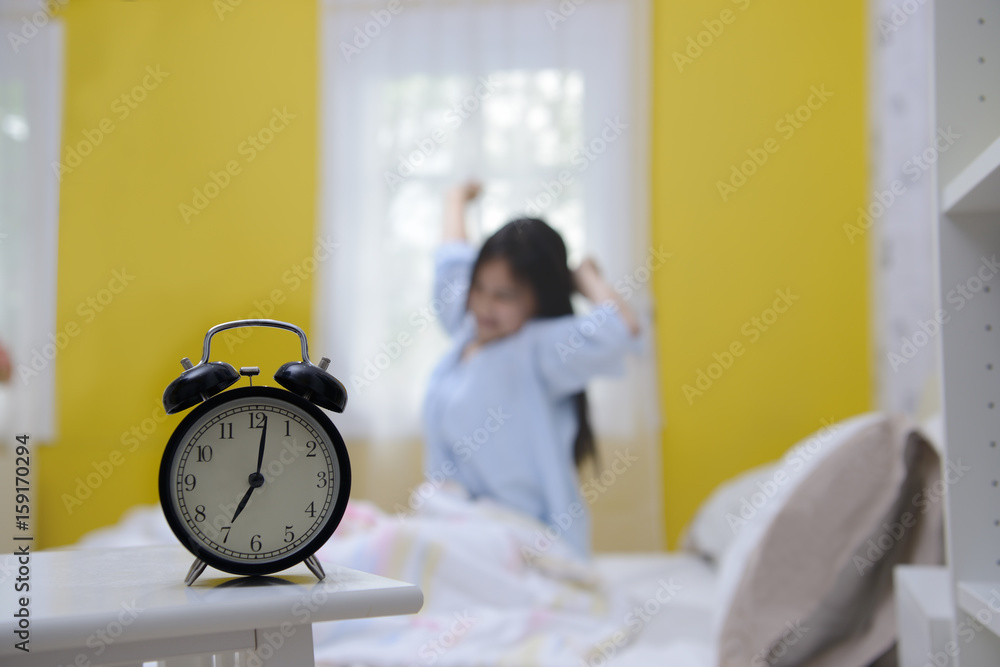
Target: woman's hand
[587,279]
[454,209]
[467,192]
[591,284]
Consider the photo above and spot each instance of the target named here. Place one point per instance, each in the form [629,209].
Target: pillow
[718,519]
[808,581]
[797,462]
[932,429]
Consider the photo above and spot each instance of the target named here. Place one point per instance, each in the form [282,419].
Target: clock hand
[256,479]
[243,503]
[260,453]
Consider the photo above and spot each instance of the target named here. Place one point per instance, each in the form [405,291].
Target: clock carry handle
[206,378]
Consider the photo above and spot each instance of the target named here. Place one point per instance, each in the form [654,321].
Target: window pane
[516,131]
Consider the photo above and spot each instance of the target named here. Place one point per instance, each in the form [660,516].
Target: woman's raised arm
[454,210]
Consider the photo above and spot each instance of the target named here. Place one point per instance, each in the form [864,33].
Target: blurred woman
[506,412]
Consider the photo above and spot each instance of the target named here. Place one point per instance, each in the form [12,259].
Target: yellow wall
[119,211]
[781,229]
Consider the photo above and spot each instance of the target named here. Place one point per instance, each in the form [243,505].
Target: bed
[788,564]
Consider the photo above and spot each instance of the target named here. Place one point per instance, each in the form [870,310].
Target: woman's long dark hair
[536,255]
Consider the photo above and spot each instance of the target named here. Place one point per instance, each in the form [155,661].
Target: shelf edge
[957,191]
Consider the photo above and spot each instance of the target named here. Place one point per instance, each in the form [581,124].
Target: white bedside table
[129,606]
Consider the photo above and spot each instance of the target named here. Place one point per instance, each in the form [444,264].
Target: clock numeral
[199,513]
[289,535]
[312,449]
[311,510]
[257,420]
[321,484]
[189,482]
[226,536]
[255,542]
[226,429]
[288,426]
[205,452]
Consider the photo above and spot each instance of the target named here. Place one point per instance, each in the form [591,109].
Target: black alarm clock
[255,479]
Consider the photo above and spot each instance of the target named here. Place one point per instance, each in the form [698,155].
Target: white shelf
[925,612]
[974,599]
[966,83]
[976,189]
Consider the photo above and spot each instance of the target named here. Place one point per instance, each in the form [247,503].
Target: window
[30,120]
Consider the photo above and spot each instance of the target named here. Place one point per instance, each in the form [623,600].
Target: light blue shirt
[502,422]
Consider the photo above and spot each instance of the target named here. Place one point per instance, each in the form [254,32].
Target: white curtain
[545,104]
[30,123]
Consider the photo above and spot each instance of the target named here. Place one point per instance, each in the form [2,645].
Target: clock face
[254,480]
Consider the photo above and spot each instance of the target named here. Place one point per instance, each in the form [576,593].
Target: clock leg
[197,567]
[314,566]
